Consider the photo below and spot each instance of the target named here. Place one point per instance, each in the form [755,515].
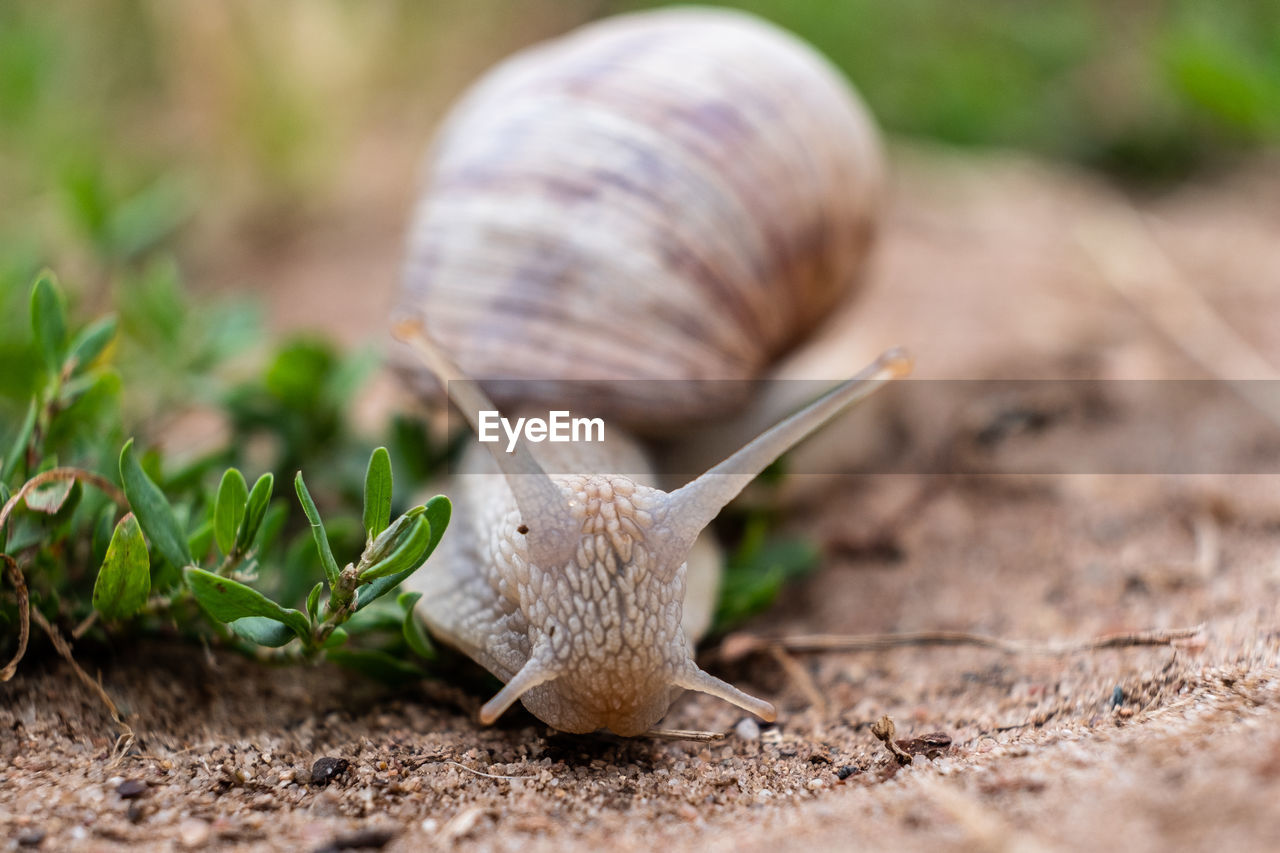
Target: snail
[674,195]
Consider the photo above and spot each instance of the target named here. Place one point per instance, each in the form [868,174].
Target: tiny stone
[747,729]
[31,837]
[325,769]
[193,833]
[846,771]
[131,788]
[816,784]
[1117,697]
[363,839]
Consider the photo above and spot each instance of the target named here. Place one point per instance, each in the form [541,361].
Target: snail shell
[674,195]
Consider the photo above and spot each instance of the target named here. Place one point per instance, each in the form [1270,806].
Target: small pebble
[325,769]
[193,833]
[846,771]
[31,837]
[362,839]
[1117,697]
[131,788]
[747,729]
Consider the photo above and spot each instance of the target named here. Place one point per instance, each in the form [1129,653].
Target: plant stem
[57,475]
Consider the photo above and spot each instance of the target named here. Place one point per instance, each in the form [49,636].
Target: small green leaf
[124,581]
[408,552]
[313,602]
[91,341]
[377,494]
[412,447]
[102,532]
[390,539]
[18,449]
[384,615]
[50,497]
[436,512]
[228,600]
[255,509]
[49,320]
[70,505]
[229,509]
[375,663]
[74,389]
[756,572]
[90,409]
[26,531]
[201,538]
[262,630]
[412,628]
[331,570]
[272,525]
[153,510]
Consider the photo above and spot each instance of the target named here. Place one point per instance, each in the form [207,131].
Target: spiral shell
[673,195]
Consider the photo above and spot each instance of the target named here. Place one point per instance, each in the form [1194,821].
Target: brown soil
[983,272]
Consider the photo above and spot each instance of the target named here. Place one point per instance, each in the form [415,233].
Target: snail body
[681,195]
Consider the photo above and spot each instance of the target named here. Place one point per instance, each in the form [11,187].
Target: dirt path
[1150,748]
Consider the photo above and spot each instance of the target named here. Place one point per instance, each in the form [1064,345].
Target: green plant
[757,569]
[101,539]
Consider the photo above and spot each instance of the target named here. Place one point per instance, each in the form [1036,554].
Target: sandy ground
[987,268]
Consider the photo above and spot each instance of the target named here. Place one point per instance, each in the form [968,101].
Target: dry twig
[803,680]
[685,734]
[884,730]
[985,828]
[462,824]
[737,646]
[482,773]
[61,475]
[84,626]
[127,737]
[55,475]
[24,615]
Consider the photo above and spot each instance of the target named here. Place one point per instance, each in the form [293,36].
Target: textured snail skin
[607,621]
[679,194]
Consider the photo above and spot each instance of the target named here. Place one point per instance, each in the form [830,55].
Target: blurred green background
[271,145]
